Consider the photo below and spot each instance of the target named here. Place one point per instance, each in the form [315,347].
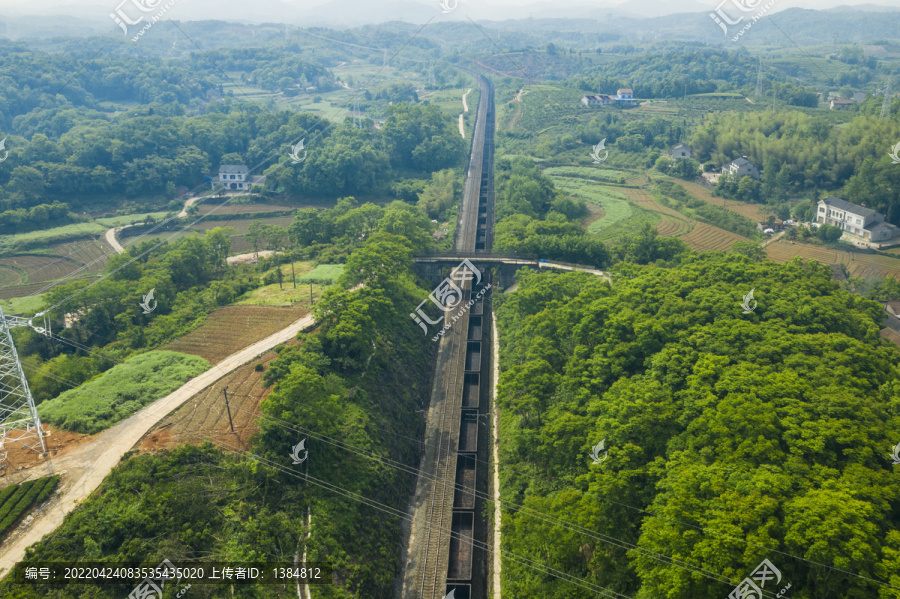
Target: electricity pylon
[886,104]
[759,79]
[17,409]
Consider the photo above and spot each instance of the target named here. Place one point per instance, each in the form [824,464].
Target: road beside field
[85,468]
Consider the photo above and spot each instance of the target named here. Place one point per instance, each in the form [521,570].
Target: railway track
[440,552]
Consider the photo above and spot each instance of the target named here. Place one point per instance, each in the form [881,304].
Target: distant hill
[634,21]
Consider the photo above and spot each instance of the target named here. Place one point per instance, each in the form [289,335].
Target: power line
[535,513]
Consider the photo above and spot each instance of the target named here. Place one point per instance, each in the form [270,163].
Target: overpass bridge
[433,267]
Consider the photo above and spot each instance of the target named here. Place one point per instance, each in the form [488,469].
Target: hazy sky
[188,8]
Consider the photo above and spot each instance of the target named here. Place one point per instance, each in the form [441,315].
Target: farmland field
[241,226]
[587,172]
[92,253]
[17,500]
[23,306]
[55,235]
[615,205]
[755,212]
[10,275]
[326,274]
[311,280]
[213,208]
[42,268]
[859,265]
[232,328]
[204,416]
[23,291]
[706,237]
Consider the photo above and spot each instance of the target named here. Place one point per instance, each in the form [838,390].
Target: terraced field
[709,238]
[755,212]
[859,265]
[674,228]
[232,328]
[10,275]
[26,274]
[21,291]
[43,268]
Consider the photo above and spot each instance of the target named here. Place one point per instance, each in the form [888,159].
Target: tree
[274,236]
[255,234]
[279,276]
[751,249]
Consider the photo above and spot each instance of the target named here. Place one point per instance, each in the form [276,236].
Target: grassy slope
[121,391]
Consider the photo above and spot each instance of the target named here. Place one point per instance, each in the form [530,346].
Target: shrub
[259,367]
[26,495]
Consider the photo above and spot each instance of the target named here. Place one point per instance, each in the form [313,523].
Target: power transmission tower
[17,409]
[759,79]
[384,62]
[886,104]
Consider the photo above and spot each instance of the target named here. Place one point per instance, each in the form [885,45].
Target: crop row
[22,498]
[670,227]
[707,237]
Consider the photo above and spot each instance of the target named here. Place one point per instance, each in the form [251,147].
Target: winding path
[86,467]
[111,239]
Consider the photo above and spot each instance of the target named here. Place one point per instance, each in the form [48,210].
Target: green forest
[731,437]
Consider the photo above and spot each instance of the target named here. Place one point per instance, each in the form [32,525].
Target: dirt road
[249,257]
[111,239]
[462,129]
[190,202]
[85,468]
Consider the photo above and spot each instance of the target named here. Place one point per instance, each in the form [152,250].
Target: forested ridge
[731,437]
[342,390]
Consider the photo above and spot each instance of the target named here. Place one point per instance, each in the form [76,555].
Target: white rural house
[596,100]
[741,167]
[623,97]
[681,151]
[859,223]
[234,176]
